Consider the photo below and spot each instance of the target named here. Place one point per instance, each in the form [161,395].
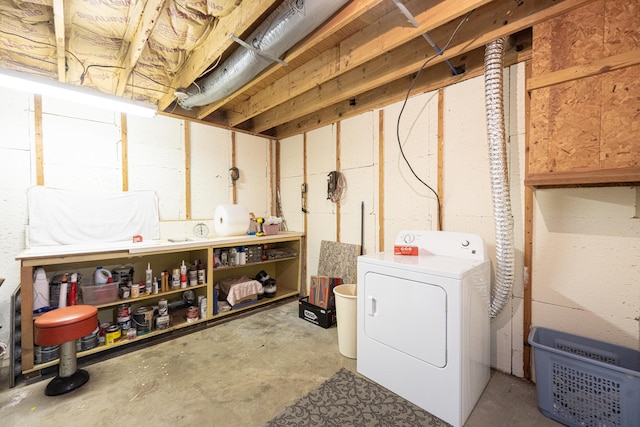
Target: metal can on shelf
[112,335]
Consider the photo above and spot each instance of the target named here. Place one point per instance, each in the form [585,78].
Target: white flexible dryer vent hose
[502,216]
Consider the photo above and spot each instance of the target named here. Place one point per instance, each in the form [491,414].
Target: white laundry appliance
[423,321]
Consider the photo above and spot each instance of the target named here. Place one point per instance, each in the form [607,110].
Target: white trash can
[346,319]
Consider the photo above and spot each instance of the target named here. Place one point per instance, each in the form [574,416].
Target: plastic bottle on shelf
[148,282]
[202,274]
[62,301]
[73,289]
[102,276]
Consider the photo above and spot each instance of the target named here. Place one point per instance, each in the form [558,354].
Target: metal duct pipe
[287,25]
[502,216]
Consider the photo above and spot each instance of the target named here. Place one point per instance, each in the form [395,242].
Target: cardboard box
[321,291]
[316,315]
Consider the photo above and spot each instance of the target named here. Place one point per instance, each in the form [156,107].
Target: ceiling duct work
[287,25]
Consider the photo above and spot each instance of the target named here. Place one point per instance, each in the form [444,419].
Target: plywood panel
[621,26]
[568,40]
[574,127]
[620,121]
[586,130]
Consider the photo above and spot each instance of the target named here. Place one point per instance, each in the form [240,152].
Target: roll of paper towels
[231,220]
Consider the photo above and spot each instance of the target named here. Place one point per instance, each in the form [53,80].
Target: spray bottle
[73,289]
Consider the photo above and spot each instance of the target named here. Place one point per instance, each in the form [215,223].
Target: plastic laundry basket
[346,318]
[584,382]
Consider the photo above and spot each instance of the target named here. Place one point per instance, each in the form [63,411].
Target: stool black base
[61,385]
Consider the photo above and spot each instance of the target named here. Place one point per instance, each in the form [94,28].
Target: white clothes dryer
[423,321]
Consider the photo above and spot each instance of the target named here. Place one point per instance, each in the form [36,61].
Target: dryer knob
[409,238]
[465,243]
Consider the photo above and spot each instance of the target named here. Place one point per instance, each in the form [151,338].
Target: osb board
[565,127]
[589,125]
[620,137]
[574,38]
[339,260]
[594,31]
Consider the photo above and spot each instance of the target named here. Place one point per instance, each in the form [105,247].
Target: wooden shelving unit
[161,256]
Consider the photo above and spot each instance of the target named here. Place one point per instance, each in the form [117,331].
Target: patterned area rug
[347,399]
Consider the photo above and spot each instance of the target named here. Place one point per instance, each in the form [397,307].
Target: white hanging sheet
[65,217]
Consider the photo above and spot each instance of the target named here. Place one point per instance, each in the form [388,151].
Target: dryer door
[407,315]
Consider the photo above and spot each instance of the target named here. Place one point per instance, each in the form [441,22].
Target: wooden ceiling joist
[388,33]
[439,76]
[350,13]
[136,43]
[58,24]
[483,26]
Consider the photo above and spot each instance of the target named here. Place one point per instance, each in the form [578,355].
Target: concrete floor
[241,372]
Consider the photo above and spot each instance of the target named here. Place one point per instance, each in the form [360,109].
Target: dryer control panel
[444,243]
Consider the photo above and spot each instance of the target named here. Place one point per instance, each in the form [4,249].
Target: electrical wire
[404,104]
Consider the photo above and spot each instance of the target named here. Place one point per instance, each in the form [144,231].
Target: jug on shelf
[102,276]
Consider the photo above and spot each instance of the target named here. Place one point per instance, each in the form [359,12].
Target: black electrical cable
[404,104]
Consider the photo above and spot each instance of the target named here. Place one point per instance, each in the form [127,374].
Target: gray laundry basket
[584,382]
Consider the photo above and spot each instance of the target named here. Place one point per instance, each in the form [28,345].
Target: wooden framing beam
[124,151]
[482,27]
[438,77]
[137,41]
[350,13]
[387,34]
[58,25]
[611,63]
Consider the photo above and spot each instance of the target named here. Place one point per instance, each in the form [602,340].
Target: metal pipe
[287,25]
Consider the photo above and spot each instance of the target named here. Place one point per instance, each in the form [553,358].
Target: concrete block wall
[585,274]
[586,240]
[82,150]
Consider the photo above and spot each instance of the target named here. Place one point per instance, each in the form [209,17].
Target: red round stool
[64,326]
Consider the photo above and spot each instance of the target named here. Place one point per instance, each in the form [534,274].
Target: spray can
[175,279]
[183,275]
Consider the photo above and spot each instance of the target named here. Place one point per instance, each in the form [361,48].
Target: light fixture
[35,84]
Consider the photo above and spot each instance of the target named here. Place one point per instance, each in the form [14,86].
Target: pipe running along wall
[499,171]
[287,25]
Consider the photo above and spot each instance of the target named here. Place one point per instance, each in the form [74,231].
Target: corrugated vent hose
[502,216]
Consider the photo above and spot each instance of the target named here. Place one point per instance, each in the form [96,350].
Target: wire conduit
[502,215]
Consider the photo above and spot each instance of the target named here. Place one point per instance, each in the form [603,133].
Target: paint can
[143,320]
[123,312]
[192,314]
[163,307]
[89,341]
[135,291]
[102,332]
[162,322]
[112,335]
[131,334]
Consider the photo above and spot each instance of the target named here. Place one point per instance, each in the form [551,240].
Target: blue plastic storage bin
[584,382]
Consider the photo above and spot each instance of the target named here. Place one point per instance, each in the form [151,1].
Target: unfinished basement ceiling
[364,56]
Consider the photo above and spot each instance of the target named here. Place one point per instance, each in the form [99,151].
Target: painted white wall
[586,241]
[82,150]
[587,250]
